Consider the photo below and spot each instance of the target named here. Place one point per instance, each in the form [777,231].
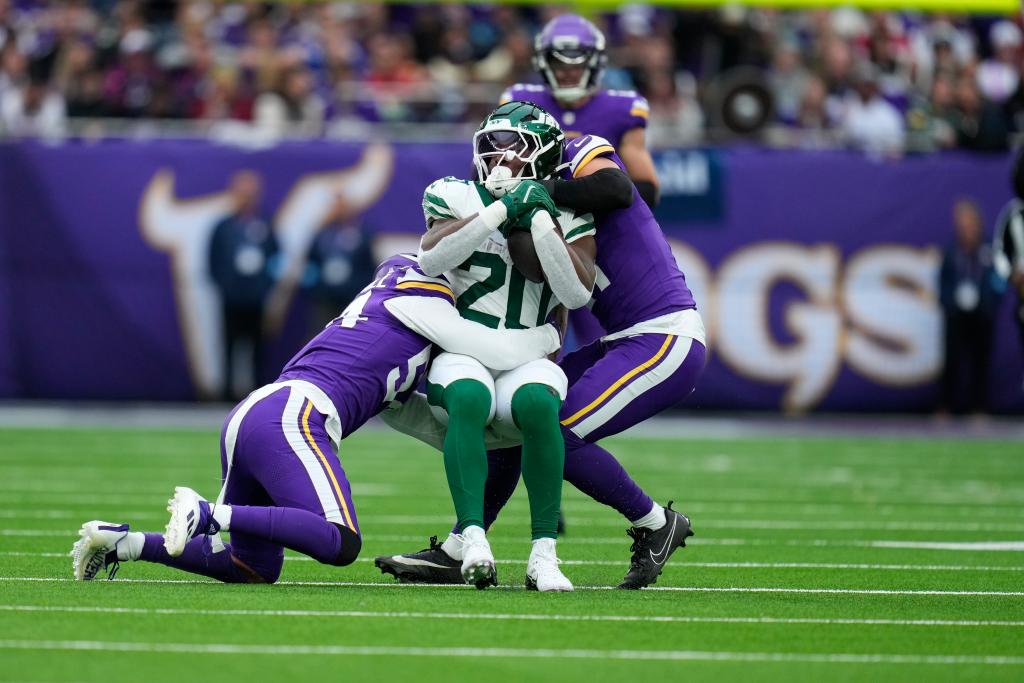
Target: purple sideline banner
[815,272]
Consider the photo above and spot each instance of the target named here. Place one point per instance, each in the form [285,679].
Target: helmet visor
[570,56]
[498,143]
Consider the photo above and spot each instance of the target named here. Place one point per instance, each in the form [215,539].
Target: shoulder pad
[443,198]
[582,150]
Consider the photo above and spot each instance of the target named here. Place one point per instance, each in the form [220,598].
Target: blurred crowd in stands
[884,82]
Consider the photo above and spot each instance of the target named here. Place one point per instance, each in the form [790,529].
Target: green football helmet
[517,141]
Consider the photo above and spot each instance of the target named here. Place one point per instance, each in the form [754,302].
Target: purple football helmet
[571,45]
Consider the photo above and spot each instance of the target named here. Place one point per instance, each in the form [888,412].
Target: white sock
[543,545]
[452,547]
[130,547]
[653,520]
[221,515]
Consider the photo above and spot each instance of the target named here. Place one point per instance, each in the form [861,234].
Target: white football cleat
[96,549]
[542,572]
[190,517]
[477,559]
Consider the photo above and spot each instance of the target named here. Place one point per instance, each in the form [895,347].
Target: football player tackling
[283,483]
[569,55]
[649,360]
[470,227]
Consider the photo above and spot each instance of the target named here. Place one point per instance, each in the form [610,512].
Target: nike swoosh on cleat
[663,553]
[410,562]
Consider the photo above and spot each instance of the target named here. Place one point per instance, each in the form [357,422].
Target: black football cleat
[430,565]
[651,549]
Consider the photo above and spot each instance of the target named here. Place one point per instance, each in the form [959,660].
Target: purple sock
[597,473]
[197,558]
[296,529]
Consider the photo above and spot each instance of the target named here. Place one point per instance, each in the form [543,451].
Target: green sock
[468,404]
[535,411]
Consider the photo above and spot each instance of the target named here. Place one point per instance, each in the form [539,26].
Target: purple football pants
[286,488]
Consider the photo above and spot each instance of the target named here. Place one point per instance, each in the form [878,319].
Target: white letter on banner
[182,229]
[700,281]
[745,341]
[896,325]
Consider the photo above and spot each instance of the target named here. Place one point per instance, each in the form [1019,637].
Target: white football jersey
[488,288]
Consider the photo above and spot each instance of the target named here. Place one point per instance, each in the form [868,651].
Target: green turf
[793,514]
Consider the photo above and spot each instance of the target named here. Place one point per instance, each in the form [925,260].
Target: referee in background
[1008,248]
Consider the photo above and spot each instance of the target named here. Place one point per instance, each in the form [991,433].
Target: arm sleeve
[648,192]
[559,270]
[441,323]
[455,248]
[605,190]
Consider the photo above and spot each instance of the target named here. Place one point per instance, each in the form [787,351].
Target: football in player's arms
[524,255]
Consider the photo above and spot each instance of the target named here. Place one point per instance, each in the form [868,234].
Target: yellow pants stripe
[330,473]
[582,412]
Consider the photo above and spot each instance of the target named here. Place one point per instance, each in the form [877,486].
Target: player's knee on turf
[351,544]
[256,572]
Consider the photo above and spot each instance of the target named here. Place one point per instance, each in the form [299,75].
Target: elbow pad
[648,192]
[604,190]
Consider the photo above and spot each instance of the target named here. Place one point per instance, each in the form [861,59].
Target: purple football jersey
[609,114]
[365,358]
[638,278]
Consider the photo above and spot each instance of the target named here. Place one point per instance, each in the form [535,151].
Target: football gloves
[524,222]
[528,195]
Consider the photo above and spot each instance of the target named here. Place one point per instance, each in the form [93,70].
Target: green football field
[818,559]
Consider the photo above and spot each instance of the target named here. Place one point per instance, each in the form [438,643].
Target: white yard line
[368,521]
[708,565]
[583,509]
[683,589]
[518,653]
[991,546]
[353,614]
[1014,546]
